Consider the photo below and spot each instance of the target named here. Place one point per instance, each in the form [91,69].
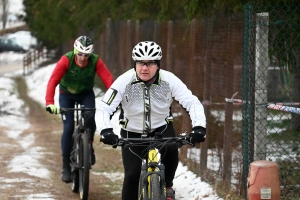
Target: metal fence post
[247,90]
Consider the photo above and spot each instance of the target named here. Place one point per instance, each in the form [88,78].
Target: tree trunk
[4,12]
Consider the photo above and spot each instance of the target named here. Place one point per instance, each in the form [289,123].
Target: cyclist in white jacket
[145,94]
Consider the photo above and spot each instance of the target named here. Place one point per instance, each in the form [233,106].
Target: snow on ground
[186,184]
[13,118]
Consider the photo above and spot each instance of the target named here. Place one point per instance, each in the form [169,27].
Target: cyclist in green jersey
[75,73]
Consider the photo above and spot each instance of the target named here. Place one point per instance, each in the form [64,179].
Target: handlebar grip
[190,140]
[48,109]
[113,145]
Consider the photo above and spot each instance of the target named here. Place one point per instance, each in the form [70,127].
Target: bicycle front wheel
[155,193]
[75,181]
[75,173]
[141,192]
[84,171]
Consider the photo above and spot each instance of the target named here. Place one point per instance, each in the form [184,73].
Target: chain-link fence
[237,65]
[271,66]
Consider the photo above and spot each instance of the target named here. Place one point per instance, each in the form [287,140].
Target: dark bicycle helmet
[84,44]
[147,50]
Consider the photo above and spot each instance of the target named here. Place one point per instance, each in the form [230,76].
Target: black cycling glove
[198,134]
[108,136]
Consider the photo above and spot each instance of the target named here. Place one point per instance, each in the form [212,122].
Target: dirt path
[46,130]
[10,67]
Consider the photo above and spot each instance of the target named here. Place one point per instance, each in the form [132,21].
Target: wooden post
[24,65]
[128,45]
[206,95]
[228,127]
[169,45]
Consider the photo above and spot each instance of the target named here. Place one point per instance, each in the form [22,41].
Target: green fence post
[246,87]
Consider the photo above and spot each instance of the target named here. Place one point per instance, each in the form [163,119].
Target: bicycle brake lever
[187,140]
[119,143]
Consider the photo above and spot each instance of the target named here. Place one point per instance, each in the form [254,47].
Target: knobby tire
[140,194]
[84,171]
[155,193]
[75,173]
[75,181]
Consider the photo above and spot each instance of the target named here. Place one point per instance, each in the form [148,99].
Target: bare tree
[4,12]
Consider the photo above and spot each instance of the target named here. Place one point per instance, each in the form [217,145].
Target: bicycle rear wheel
[84,171]
[155,193]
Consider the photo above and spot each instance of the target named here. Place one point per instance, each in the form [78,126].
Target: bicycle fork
[149,168]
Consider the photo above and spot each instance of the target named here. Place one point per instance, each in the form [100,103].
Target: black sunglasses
[83,54]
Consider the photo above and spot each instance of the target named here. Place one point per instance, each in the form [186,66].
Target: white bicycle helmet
[147,50]
[84,44]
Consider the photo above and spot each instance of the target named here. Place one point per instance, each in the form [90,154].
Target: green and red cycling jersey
[75,79]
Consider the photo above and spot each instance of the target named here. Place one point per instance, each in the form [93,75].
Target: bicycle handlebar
[180,140]
[64,110]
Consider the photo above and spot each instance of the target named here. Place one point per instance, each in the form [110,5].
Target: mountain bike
[81,151]
[152,185]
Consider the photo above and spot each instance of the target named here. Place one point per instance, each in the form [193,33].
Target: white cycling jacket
[147,108]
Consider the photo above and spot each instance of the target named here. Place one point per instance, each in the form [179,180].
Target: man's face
[146,69]
[82,58]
